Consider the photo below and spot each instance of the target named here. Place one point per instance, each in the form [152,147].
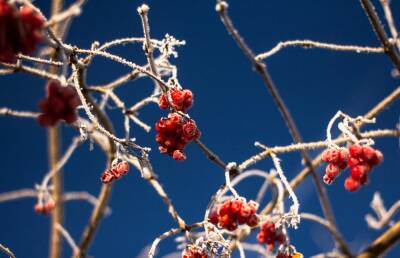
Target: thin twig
[312,146]
[7,251]
[16,113]
[169,233]
[67,237]
[380,32]
[307,44]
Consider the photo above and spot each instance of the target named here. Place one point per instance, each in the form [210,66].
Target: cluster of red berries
[181,100]
[118,169]
[269,235]
[235,212]
[360,160]
[174,133]
[60,103]
[44,208]
[192,251]
[20,30]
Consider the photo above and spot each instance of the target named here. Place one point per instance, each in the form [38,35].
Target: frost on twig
[308,44]
[384,217]
[292,218]
[347,127]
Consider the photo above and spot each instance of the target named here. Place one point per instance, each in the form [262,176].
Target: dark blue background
[233,109]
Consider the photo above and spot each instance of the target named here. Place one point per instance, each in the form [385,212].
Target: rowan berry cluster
[181,100]
[174,133]
[118,169]
[360,160]
[192,251]
[269,235]
[45,208]
[60,103]
[235,212]
[20,31]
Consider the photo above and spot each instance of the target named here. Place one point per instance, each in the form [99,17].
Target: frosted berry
[60,103]
[107,177]
[118,169]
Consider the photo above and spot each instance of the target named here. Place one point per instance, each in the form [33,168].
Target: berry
[351,185]
[355,150]
[60,103]
[107,177]
[118,169]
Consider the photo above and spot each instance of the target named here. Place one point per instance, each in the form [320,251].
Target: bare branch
[307,44]
[22,114]
[7,251]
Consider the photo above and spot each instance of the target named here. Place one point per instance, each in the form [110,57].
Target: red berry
[107,177]
[353,162]
[332,171]
[178,155]
[39,208]
[162,102]
[355,150]
[120,169]
[377,158]
[328,180]
[253,221]
[357,172]
[351,185]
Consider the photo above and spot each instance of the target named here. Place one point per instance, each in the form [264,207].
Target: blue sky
[232,108]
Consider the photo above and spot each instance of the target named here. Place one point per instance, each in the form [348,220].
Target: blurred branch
[383,243]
